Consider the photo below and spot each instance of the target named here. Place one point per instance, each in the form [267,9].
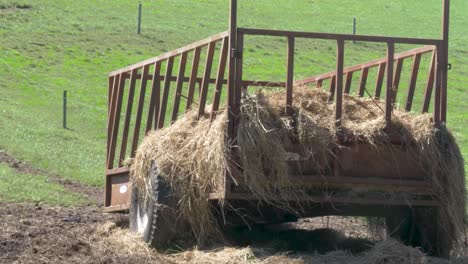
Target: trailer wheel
[421,228]
[154,218]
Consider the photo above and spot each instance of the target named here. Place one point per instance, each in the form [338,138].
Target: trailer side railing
[138,99]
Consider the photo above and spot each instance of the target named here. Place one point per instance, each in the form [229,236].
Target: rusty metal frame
[231,60]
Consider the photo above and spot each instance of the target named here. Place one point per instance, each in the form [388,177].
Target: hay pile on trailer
[192,154]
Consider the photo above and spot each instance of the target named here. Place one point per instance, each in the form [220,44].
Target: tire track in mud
[94,193]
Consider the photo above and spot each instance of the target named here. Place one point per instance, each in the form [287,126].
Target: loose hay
[192,154]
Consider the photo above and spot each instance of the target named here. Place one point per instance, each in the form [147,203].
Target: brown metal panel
[193,77]
[298,34]
[360,179]
[206,78]
[389,162]
[379,81]
[115,122]
[413,79]
[349,79]
[128,115]
[363,81]
[332,88]
[220,77]
[121,170]
[396,79]
[165,56]
[118,190]
[339,81]
[369,64]
[389,89]
[289,76]
[153,109]
[141,103]
[429,84]
[179,83]
[165,97]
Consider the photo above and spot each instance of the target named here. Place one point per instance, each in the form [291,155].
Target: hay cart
[138,101]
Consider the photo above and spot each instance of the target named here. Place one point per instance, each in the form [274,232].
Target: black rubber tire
[420,228]
[154,219]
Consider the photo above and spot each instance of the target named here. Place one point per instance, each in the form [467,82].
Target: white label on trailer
[123,188]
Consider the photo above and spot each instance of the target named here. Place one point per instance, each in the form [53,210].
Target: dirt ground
[35,233]
[38,233]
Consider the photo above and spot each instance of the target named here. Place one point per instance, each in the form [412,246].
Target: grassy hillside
[49,46]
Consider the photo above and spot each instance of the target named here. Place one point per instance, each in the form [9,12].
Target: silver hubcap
[142,219]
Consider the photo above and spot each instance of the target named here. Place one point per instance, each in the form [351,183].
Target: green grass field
[50,46]
[34,188]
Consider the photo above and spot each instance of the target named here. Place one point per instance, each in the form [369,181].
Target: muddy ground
[35,233]
[38,233]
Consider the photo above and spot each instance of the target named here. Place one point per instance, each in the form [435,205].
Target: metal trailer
[145,90]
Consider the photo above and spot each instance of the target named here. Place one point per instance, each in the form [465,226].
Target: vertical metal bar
[220,77]
[429,84]
[289,76]
[239,73]
[112,80]
[437,87]
[115,121]
[349,79]
[110,115]
[389,90]
[200,82]
[128,115]
[332,88]
[230,135]
[363,81]
[379,82]
[319,83]
[153,109]
[193,78]
[109,92]
[179,83]
[206,78]
[444,70]
[167,84]
[339,81]
[141,103]
[396,79]
[413,80]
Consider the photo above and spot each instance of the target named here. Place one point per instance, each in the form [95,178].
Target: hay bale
[192,154]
